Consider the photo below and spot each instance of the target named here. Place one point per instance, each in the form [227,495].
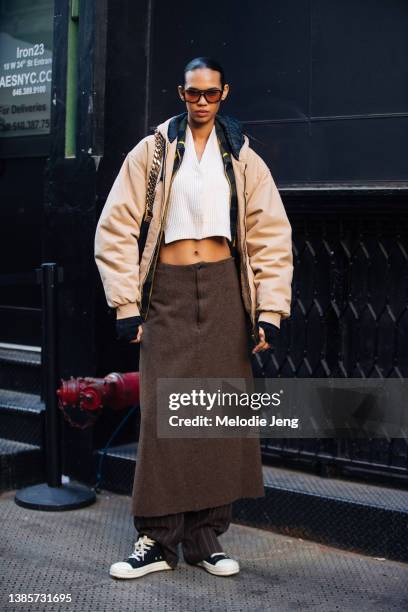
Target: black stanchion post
[49,288]
[52,495]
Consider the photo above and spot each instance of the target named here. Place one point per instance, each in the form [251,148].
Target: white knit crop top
[199,198]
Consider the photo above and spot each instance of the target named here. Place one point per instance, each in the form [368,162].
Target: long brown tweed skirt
[196,327]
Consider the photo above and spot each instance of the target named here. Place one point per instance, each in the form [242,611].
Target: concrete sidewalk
[70,552]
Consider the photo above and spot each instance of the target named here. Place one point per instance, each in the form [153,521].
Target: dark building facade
[321,89]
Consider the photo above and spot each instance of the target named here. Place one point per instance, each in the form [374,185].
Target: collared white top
[199,199]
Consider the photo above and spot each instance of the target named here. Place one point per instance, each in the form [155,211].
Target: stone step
[21,464]
[21,417]
[20,368]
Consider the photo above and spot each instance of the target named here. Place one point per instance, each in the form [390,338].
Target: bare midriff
[188,251]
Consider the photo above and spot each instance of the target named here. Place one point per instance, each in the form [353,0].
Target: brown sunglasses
[193,95]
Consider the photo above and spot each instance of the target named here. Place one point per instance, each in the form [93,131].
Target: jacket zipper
[230,192]
[157,246]
[243,258]
[242,255]
[254,333]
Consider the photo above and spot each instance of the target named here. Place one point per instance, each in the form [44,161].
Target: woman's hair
[205,62]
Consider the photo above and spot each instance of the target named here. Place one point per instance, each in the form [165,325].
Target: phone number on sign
[43,597]
[26,125]
[25,91]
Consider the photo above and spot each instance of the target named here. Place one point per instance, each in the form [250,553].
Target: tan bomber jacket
[264,236]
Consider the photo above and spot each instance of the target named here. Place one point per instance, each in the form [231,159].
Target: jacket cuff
[270,317]
[126,329]
[127,310]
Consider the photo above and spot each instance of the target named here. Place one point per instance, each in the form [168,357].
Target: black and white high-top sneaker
[146,557]
[219,564]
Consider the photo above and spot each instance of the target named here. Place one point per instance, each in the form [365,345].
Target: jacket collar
[231,129]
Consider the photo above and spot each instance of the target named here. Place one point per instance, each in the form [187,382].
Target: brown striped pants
[196,530]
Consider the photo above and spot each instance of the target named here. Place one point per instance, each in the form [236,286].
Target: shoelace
[221,554]
[143,544]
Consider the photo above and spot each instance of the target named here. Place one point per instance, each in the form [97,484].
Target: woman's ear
[225,92]
[180,92]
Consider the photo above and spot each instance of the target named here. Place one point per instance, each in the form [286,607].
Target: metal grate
[349,319]
[72,553]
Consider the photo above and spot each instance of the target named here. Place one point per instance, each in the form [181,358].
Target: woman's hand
[129,330]
[139,335]
[268,334]
[262,344]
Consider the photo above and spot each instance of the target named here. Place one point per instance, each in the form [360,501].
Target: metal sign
[25,68]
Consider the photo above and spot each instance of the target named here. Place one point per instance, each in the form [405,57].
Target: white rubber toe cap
[121,567]
[223,567]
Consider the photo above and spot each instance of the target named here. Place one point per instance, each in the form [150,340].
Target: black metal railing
[46,277]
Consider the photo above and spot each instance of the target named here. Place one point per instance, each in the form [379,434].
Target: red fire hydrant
[91,395]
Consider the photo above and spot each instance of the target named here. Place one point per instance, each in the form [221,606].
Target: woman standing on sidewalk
[216,270]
